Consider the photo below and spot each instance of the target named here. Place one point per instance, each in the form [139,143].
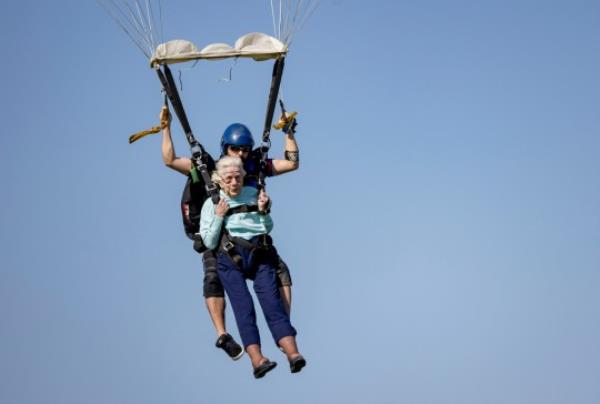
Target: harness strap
[242,209]
[273,95]
[228,243]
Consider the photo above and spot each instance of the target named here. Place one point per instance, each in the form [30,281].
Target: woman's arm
[211,220]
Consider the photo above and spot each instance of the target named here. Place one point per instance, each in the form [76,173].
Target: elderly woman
[238,227]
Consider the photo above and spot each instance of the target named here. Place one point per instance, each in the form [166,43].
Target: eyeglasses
[237,149]
[228,179]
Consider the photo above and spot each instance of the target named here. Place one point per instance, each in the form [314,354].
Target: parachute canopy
[255,45]
[142,21]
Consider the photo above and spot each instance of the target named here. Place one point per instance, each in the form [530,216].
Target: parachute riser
[273,95]
[170,88]
[197,151]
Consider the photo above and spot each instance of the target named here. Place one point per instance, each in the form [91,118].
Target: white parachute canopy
[255,45]
[142,21]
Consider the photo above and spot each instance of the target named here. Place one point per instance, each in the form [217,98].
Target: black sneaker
[228,344]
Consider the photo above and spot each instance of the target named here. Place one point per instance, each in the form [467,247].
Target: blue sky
[443,231]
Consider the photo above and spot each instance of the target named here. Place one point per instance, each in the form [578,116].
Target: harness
[227,244]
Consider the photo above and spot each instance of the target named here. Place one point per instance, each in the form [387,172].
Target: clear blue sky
[443,231]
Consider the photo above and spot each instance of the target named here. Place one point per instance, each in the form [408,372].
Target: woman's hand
[263,201]
[221,208]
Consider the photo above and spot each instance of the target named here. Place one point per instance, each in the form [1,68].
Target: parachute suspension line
[280,12]
[273,17]
[289,16]
[140,20]
[161,34]
[147,21]
[128,18]
[292,23]
[125,24]
[303,16]
[153,32]
[137,20]
[282,19]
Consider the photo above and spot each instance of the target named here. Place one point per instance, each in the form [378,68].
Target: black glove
[290,127]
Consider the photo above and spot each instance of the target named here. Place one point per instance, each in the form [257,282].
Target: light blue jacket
[244,225]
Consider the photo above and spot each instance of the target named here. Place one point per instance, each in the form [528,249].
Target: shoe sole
[263,369]
[235,358]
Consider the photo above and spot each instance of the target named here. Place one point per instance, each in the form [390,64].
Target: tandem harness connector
[260,243]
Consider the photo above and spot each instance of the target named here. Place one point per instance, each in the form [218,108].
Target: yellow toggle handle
[151,131]
[284,120]
[141,134]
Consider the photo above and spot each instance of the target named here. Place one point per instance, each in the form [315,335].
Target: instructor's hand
[165,117]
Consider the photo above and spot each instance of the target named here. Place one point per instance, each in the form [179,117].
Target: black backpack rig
[195,193]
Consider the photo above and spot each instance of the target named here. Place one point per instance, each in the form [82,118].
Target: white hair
[225,163]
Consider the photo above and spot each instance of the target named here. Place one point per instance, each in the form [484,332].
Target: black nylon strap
[228,243]
[273,94]
[242,209]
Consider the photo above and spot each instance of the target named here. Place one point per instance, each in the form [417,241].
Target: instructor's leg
[284,282]
[216,311]
[214,296]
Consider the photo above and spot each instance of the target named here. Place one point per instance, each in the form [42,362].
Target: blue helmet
[236,134]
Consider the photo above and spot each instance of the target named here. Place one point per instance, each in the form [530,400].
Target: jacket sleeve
[210,225]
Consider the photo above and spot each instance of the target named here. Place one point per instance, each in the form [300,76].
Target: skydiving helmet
[236,134]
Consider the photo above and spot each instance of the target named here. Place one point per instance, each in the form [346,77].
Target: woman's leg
[242,305]
[267,292]
[255,355]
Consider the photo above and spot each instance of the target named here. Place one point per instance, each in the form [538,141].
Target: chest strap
[242,209]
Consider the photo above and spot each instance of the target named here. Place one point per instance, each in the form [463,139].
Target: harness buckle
[228,246]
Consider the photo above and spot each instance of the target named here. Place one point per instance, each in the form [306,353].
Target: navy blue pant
[259,266]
